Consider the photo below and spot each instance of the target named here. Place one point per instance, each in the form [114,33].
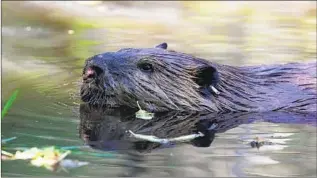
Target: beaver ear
[207,78]
[162,46]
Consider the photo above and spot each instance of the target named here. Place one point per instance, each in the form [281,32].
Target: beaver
[163,80]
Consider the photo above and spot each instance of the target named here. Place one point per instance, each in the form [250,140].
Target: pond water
[45,44]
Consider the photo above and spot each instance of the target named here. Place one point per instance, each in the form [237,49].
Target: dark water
[43,51]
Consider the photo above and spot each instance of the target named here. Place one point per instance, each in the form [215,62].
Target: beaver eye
[146,67]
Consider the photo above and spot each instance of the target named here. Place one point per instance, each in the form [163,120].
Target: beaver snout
[92,72]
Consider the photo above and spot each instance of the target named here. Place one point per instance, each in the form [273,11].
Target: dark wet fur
[175,84]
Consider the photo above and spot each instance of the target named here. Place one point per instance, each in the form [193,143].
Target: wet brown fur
[180,82]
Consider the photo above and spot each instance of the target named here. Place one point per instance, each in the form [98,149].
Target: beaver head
[159,79]
[163,80]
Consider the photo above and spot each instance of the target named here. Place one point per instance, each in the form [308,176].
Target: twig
[155,139]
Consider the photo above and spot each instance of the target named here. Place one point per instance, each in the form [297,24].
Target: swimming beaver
[163,80]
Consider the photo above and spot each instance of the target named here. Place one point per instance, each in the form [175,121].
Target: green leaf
[9,103]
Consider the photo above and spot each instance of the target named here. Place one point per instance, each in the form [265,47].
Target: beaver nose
[92,72]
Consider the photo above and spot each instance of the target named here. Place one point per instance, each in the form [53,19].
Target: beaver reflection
[106,129]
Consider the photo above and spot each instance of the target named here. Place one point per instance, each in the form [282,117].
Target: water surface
[44,45]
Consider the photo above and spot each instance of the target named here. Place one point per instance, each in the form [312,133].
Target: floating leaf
[142,114]
[50,158]
[47,157]
[6,153]
[27,154]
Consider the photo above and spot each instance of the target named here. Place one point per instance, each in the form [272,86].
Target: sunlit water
[43,58]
